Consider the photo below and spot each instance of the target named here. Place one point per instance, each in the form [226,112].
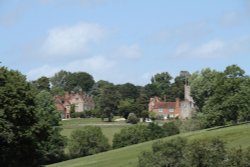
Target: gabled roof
[162,105]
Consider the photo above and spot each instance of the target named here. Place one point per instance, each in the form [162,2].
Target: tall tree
[160,85]
[53,145]
[228,100]
[60,79]
[177,88]
[42,83]
[87,141]
[21,131]
[202,86]
[108,102]
[128,91]
[79,81]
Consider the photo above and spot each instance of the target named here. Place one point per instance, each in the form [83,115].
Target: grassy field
[108,128]
[234,136]
[82,121]
[108,131]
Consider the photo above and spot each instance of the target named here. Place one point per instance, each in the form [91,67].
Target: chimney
[177,106]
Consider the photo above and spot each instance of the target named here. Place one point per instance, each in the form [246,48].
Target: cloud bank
[72,40]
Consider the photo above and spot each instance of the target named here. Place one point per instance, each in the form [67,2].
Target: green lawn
[127,157]
[82,121]
[108,128]
[108,131]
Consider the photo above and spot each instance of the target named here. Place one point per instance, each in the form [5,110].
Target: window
[171,110]
[160,110]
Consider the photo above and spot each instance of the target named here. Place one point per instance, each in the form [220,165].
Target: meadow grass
[82,121]
[234,136]
[108,131]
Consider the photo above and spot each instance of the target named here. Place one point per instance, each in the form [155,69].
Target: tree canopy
[222,97]
[23,130]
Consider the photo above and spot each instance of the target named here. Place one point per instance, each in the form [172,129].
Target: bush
[203,153]
[137,134]
[159,117]
[169,153]
[132,118]
[78,115]
[131,135]
[152,115]
[87,141]
[210,153]
[170,128]
[155,131]
[238,157]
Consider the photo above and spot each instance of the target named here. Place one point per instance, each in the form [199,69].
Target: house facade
[181,109]
[80,101]
[164,109]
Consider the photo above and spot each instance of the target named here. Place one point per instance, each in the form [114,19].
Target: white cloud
[129,51]
[72,40]
[94,64]
[187,32]
[232,18]
[214,48]
[45,70]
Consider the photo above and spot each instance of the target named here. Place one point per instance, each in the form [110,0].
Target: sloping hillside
[127,157]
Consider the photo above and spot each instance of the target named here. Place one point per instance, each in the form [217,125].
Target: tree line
[180,152]
[114,99]
[221,97]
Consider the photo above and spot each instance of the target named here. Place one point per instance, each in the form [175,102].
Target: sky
[123,40]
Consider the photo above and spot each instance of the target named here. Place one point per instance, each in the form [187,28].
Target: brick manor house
[80,101]
[181,109]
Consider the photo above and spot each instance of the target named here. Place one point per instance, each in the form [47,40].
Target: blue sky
[123,40]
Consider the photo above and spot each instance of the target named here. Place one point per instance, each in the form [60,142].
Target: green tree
[22,130]
[54,143]
[144,115]
[128,91]
[42,83]
[177,88]
[163,77]
[79,81]
[162,83]
[210,153]
[237,157]
[72,108]
[87,141]
[170,128]
[202,86]
[131,135]
[108,102]
[229,100]
[141,103]
[128,106]
[155,131]
[132,118]
[178,152]
[60,79]
[164,154]
[152,90]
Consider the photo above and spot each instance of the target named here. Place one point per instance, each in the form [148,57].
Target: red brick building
[165,109]
[181,109]
[80,101]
